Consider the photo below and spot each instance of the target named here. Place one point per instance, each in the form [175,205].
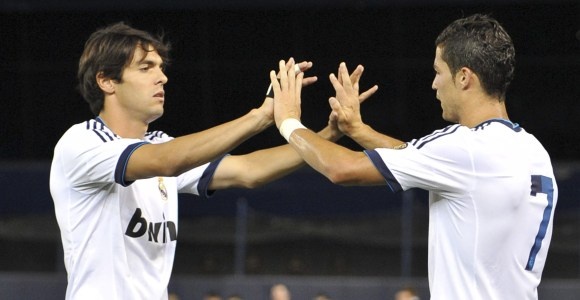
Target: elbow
[166,170]
[349,172]
[250,183]
[167,166]
[339,176]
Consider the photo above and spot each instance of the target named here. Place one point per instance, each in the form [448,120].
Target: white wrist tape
[288,126]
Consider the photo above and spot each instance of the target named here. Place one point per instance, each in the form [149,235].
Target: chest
[150,203]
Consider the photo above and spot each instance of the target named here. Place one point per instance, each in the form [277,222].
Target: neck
[483,109]
[124,126]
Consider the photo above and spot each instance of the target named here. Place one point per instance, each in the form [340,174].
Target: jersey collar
[513,126]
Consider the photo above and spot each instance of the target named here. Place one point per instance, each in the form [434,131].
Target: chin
[156,116]
[447,118]
[451,120]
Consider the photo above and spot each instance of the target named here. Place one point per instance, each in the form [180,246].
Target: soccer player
[491,184]
[115,185]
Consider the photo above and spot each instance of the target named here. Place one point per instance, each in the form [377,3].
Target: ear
[465,78]
[105,83]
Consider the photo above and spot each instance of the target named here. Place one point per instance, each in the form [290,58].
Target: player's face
[444,85]
[140,92]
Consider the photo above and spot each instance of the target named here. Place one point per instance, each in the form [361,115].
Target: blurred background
[350,243]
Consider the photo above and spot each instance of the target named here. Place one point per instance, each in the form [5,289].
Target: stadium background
[353,243]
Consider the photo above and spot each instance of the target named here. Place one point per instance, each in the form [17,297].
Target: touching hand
[300,67]
[266,111]
[286,93]
[345,116]
[305,66]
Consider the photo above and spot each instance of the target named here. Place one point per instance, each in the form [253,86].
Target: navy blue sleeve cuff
[206,177]
[384,170]
[122,163]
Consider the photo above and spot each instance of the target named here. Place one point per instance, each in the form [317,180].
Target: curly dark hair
[108,51]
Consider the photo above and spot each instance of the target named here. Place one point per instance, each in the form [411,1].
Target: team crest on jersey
[162,189]
[401,146]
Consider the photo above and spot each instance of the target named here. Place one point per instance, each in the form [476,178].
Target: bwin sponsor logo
[138,226]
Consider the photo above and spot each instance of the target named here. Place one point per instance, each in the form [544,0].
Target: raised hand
[304,66]
[267,107]
[345,115]
[286,93]
[300,67]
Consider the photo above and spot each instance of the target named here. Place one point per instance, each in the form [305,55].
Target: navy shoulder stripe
[100,135]
[100,129]
[435,135]
[414,142]
[436,132]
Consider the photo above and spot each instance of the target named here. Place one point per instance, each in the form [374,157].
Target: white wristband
[288,126]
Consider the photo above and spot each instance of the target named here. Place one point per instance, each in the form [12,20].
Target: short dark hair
[108,51]
[481,44]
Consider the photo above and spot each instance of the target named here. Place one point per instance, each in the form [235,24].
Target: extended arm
[184,153]
[259,167]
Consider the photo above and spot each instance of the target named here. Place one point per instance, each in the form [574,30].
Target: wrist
[329,134]
[355,130]
[263,120]
[288,126]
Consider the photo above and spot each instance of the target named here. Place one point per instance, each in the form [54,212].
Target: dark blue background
[223,51]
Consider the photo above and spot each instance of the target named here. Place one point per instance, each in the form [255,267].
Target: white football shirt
[118,237]
[492,195]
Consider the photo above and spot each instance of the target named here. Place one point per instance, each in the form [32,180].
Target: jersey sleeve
[196,181]
[91,161]
[441,164]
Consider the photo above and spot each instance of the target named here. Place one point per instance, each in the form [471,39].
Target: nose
[433,85]
[162,78]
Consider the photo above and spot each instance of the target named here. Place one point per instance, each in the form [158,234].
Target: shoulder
[90,129]
[83,136]
[508,134]
[87,131]
[452,145]
[446,136]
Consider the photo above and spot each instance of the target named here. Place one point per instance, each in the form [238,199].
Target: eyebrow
[147,62]
[150,63]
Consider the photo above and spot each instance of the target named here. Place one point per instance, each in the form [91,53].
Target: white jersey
[118,237]
[492,195]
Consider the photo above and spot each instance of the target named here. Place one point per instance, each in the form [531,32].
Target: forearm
[279,161]
[209,144]
[257,168]
[263,166]
[372,139]
[326,157]
[339,164]
[184,153]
